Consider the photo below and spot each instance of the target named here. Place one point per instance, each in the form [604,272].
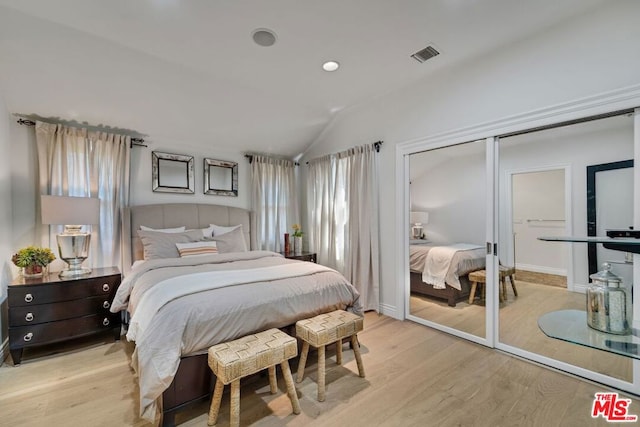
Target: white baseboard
[577,287]
[389,310]
[541,269]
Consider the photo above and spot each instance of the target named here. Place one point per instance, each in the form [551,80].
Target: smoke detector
[264,37]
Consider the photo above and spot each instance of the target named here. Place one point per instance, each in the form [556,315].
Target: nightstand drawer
[30,295]
[31,315]
[44,333]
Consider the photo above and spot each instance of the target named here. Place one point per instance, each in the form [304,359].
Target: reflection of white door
[614,212]
[538,202]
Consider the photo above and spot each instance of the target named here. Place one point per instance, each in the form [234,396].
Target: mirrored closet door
[545,191]
[447,234]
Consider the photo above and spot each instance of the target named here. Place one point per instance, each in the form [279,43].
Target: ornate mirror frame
[220,177]
[172,173]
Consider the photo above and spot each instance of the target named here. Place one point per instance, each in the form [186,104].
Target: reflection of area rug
[542,278]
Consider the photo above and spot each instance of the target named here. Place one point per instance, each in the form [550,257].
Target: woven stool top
[330,327]
[478,276]
[481,275]
[250,354]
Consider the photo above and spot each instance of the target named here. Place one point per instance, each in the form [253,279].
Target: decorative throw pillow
[157,244]
[232,241]
[219,230]
[197,248]
[164,230]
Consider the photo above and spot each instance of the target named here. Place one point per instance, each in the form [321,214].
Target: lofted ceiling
[188,72]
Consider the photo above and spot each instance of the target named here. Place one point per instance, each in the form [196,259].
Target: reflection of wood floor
[415,376]
[519,325]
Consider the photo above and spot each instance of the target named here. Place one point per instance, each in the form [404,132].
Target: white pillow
[207,232]
[219,229]
[164,230]
[197,248]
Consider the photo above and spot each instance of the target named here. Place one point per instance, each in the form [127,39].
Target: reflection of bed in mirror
[442,271]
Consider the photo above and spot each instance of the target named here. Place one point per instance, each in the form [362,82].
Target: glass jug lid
[605,276]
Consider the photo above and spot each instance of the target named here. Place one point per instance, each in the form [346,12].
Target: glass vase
[297,245]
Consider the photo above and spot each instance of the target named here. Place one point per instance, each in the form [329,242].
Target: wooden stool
[326,329]
[237,359]
[479,277]
[510,273]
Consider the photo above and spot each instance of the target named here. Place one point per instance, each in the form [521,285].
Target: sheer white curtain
[342,191]
[76,162]
[274,201]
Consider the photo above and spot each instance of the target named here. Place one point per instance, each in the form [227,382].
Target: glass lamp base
[74,249]
[74,273]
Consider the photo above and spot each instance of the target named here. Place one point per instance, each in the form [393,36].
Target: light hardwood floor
[519,325]
[416,376]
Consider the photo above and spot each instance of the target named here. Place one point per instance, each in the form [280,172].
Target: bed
[442,271]
[180,306]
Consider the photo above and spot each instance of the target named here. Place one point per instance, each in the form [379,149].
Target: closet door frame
[614,101]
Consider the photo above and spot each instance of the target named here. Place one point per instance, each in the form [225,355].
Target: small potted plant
[33,260]
[297,239]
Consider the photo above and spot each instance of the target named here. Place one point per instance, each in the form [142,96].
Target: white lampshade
[418,217]
[70,210]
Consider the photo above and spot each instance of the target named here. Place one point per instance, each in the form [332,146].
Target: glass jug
[608,304]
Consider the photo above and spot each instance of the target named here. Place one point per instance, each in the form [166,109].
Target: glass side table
[571,326]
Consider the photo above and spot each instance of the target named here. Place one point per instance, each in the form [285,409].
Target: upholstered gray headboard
[191,215]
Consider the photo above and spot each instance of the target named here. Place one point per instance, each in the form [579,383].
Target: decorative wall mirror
[172,173]
[220,177]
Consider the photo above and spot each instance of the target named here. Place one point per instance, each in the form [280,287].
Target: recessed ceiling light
[264,37]
[330,66]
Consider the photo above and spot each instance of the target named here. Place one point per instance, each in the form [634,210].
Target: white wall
[589,55]
[6,247]
[141,185]
[454,194]
[538,203]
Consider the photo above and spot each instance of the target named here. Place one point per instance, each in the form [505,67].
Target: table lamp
[73,213]
[418,219]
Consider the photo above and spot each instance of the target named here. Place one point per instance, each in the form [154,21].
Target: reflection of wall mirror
[606,209]
[172,173]
[220,177]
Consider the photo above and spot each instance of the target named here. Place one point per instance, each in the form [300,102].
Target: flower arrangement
[297,231]
[33,259]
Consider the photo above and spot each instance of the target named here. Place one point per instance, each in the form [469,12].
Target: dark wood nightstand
[304,256]
[51,309]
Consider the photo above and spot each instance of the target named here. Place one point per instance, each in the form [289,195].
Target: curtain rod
[250,157]
[376,145]
[135,142]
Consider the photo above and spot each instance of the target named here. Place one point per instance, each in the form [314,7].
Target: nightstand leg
[16,355]
[116,333]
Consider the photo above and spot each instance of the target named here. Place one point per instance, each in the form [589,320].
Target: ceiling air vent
[426,53]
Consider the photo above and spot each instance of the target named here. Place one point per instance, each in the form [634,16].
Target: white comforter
[193,319]
[443,265]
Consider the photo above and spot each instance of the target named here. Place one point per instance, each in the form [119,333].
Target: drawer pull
[105,287]
[28,297]
[28,336]
[106,304]
[105,322]
[28,317]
